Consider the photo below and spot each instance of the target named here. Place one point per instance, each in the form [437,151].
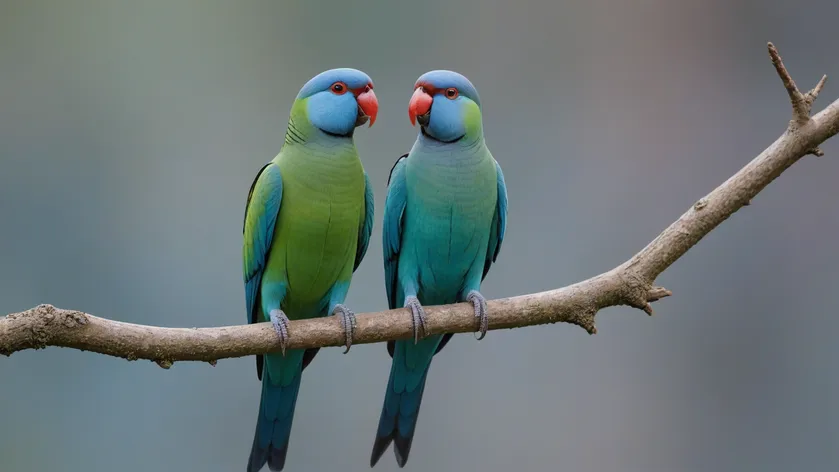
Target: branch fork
[802,103]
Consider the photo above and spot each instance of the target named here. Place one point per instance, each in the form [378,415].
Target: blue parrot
[444,222]
[308,220]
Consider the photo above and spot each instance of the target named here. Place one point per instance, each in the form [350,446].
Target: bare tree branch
[629,284]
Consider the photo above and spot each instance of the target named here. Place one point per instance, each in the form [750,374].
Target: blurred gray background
[130,132]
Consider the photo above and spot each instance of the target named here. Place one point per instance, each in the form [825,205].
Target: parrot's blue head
[339,100]
[446,105]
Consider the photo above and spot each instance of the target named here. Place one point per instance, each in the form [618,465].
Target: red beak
[369,104]
[419,105]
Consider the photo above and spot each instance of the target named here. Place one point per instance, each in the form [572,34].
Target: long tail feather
[273,427]
[403,398]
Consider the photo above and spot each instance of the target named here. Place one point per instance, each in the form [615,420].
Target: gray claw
[280,322]
[418,316]
[480,304]
[347,321]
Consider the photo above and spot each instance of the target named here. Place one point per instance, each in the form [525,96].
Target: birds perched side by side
[444,222]
[307,225]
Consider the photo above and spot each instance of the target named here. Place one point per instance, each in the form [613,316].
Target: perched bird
[307,226]
[445,218]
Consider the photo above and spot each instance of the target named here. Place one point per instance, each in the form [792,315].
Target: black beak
[361,118]
[424,118]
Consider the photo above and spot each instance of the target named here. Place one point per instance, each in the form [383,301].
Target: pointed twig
[813,94]
[799,106]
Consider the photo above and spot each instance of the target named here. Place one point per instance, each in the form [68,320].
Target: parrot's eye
[451,93]
[339,88]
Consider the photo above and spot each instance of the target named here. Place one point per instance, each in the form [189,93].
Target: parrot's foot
[418,316]
[280,322]
[347,321]
[481,313]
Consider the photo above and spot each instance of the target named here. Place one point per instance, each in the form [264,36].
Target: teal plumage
[308,220]
[445,220]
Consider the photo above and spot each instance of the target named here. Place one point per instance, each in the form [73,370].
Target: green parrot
[308,220]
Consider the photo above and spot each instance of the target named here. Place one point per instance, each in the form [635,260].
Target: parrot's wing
[499,222]
[392,227]
[392,232]
[261,211]
[366,226]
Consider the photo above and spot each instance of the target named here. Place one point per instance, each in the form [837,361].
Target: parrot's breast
[316,234]
[451,202]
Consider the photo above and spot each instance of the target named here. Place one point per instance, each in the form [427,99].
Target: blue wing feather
[266,195]
[499,222]
[366,226]
[392,227]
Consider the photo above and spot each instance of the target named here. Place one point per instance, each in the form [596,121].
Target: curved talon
[280,322]
[481,312]
[417,315]
[349,323]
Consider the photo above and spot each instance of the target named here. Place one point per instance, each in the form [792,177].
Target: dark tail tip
[257,459]
[276,458]
[273,456]
[379,448]
[402,448]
